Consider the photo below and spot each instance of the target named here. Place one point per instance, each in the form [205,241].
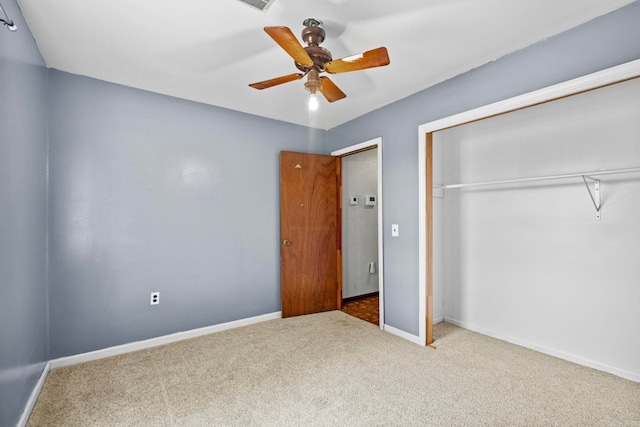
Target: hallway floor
[366,309]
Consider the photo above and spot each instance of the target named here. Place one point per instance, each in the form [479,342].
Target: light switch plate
[395,230]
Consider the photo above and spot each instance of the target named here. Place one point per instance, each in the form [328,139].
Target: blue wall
[153,193]
[23,217]
[607,41]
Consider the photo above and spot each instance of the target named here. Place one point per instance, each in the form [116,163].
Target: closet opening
[526,213]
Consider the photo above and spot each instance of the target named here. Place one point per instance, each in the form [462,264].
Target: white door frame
[575,86]
[373,143]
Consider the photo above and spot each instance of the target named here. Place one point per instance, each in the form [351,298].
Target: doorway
[361,234]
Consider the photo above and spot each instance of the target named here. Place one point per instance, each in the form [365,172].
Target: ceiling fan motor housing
[313,34]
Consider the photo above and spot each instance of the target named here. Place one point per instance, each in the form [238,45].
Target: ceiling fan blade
[285,38]
[277,81]
[330,90]
[369,59]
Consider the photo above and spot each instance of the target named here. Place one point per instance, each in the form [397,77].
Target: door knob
[286,243]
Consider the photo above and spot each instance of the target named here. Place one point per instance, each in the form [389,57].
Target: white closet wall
[529,262]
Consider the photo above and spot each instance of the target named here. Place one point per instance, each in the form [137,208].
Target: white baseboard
[402,334]
[546,350]
[154,342]
[438,320]
[34,396]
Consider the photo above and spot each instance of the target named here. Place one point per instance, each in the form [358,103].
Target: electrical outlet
[155,298]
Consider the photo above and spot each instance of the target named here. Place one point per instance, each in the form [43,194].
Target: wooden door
[309,227]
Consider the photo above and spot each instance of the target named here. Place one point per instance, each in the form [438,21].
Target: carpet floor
[331,369]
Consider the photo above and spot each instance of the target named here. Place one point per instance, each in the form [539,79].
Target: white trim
[402,334]
[376,142]
[380,238]
[570,87]
[26,413]
[422,239]
[153,342]
[357,147]
[547,350]
[438,320]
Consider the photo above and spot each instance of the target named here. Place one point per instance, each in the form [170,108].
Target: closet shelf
[595,195]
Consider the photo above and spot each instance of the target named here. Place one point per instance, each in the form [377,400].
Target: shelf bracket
[438,191]
[595,195]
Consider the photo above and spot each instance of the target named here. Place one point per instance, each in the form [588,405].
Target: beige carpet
[331,369]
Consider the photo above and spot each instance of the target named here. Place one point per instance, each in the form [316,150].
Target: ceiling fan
[313,60]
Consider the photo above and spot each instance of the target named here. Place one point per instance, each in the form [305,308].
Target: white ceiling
[210,50]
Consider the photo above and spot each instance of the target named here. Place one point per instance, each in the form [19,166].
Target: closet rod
[543,178]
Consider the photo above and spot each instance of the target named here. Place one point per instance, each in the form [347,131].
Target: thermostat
[370,200]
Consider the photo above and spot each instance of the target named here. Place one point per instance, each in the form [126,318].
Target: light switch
[395,230]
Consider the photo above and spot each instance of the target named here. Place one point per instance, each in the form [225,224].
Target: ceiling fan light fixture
[313,85]
[313,101]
